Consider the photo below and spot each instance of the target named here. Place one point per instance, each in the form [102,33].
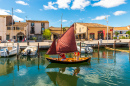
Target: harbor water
[109,68]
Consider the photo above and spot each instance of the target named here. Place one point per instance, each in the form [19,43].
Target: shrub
[34,38]
[123,37]
[114,37]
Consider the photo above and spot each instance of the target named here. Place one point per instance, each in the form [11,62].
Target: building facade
[36,28]
[92,31]
[122,31]
[21,30]
[56,32]
[4,21]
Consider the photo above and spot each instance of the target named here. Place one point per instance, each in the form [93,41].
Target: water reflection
[106,68]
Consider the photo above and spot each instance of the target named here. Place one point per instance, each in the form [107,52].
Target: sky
[86,11]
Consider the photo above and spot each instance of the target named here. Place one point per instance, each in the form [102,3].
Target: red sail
[67,43]
[52,49]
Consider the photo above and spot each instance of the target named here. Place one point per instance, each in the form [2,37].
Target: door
[100,35]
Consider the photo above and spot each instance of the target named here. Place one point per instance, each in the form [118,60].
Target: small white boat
[30,50]
[85,49]
[9,51]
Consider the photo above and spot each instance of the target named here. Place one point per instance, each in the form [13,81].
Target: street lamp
[61,23]
[107,27]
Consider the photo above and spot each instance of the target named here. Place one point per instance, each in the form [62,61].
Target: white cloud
[63,3]
[50,6]
[80,4]
[4,12]
[16,18]
[101,17]
[7,12]
[19,11]
[109,3]
[117,13]
[21,2]
[64,20]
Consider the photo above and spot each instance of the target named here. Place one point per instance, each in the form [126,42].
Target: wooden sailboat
[65,44]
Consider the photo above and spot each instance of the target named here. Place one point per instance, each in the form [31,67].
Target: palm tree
[116,33]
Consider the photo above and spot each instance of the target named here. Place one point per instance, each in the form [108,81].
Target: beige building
[92,31]
[4,21]
[36,28]
[19,31]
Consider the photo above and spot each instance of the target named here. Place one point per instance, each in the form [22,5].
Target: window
[43,29]
[120,32]
[83,36]
[92,36]
[32,30]
[79,29]
[8,28]
[17,28]
[7,37]
[42,24]
[32,24]
[14,37]
[13,28]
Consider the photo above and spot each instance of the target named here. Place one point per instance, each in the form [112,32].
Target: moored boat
[65,44]
[30,50]
[69,60]
[9,51]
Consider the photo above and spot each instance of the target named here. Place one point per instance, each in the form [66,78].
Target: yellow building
[92,31]
[56,32]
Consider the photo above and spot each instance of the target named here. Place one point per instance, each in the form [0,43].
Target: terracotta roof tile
[37,21]
[93,25]
[120,28]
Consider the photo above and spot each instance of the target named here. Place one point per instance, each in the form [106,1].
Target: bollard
[80,47]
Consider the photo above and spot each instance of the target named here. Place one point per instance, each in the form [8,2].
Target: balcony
[32,32]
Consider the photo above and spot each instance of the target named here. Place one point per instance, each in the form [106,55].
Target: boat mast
[61,24]
[12,25]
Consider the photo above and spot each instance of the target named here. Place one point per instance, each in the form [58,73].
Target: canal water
[108,68]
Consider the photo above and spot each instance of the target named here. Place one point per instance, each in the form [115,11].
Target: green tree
[128,32]
[64,29]
[116,33]
[47,34]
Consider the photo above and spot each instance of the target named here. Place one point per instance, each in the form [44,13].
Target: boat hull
[68,62]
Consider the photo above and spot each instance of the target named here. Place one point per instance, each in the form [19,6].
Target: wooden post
[98,47]
[17,50]
[114,45]
[38,49]
[80,47]
[129,51]
[129,46]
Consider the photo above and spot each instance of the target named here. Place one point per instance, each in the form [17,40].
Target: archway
[20,36]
